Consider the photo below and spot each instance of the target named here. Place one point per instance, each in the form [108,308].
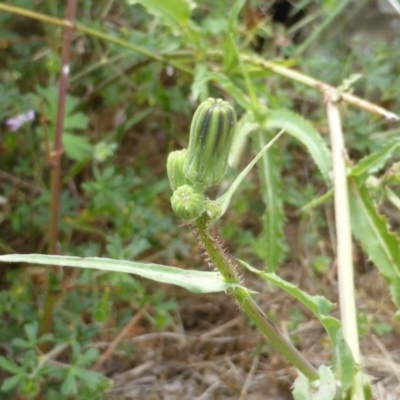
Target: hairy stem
[226,266]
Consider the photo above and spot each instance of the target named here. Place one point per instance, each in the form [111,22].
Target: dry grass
[211,352]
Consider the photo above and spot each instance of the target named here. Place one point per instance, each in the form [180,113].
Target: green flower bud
[211,136]
[175,163]
[187,202]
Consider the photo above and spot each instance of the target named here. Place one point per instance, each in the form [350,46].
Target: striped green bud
[211,136]
[175,171]
[187,203]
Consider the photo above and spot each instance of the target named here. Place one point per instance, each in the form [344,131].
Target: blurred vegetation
[125,112]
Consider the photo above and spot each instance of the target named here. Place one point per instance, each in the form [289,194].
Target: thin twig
[19,182]
[323,87]
[243,393]
[55,162]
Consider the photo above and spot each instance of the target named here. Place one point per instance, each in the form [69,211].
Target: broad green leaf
[374,161]
[10,366]
[318,305]
[90,378]
[31,331]
[175,13]
[306,134]
[11,382]
[195,281]
[77,147]
[270,170]
[371,230]
[50,96]
[22,343]
[76,120]
[69,386]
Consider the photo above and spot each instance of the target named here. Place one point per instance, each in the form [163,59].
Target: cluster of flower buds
[205,162]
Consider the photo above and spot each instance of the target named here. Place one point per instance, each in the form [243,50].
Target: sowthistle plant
[191,171]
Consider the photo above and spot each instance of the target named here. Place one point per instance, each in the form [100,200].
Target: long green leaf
[305,133]
[274,217]
[195,281]
[245,126]
[371,230]
[318,305]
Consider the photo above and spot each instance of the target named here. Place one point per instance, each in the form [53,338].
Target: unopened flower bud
[175,171]
[187,202]
[211,136]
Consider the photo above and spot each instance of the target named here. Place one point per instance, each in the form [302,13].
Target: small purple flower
[14,123]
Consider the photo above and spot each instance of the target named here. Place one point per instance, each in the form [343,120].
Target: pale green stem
[344,240]
[242,296]
[321,86]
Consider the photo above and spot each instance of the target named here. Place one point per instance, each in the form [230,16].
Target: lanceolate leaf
[195,281]
[318,305]
[305,133]
[271,185]
[374,161]
[372,231]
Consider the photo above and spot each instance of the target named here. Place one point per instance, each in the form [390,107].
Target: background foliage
[126,110]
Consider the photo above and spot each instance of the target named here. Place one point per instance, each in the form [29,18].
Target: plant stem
[227,268]
[344,239]
[322,87]
[55,163]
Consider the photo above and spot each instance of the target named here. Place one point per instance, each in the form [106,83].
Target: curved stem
[226,266]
